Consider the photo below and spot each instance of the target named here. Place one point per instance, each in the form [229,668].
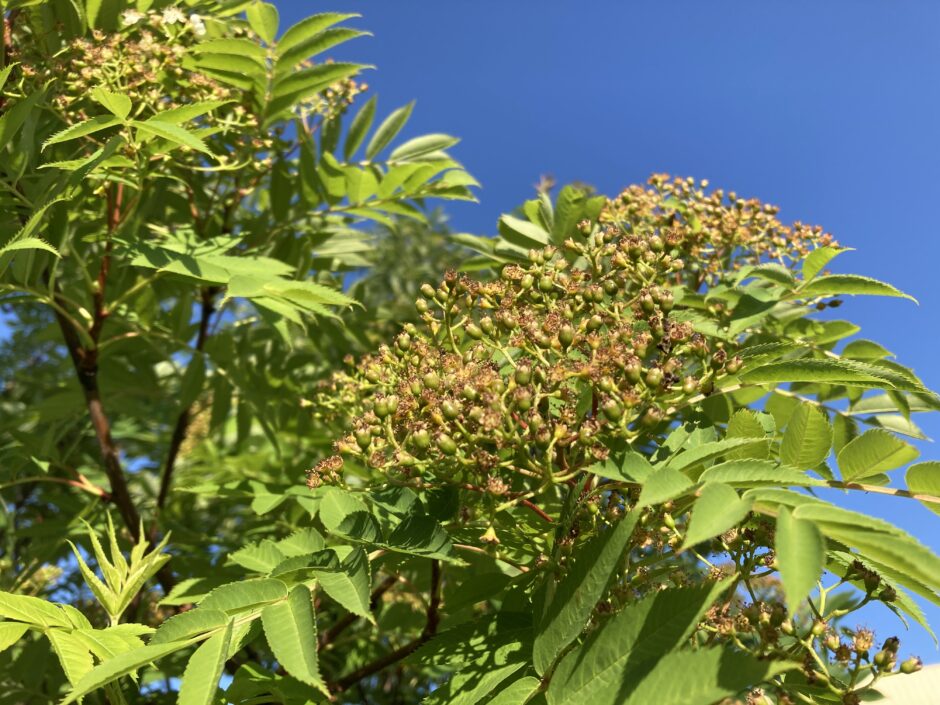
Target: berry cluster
[533,375]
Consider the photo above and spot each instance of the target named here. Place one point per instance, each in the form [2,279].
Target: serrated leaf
[717,509]
[32,610]
[306,83]
[10,633]
[865,350]
[189,111]
[517,692]
[291,630]
[420,146]
[567,612]
[663,485]
[15,116]
[82,129]
[817,259]
[387,131]
[709,451]
[263,19]
[244,595]
[308,28]
[755,473]
[5,73]
[187,625]
[201,679]
[120,665]
[801,556]
[807,438]
[117,104]
[522,233]
[745,423]
[618,656]
[359,128]
[259,557]
[874,452]
[924,478]
[170,132]
[350,585]
[851,284]
[72,653]
[314,45]
[850,373]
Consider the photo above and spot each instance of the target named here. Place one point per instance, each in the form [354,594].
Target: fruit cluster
[525,379]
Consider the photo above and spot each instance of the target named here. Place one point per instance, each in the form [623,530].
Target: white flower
[131,17]
[172,15]
[199,27]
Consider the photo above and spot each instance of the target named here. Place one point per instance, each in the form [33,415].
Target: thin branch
[185,416]
[430,629]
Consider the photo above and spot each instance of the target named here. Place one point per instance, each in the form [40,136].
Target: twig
[185,416]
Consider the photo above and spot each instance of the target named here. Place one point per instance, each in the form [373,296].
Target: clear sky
[830,110]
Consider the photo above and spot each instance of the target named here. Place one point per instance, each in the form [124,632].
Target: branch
[430,629]
[185,417]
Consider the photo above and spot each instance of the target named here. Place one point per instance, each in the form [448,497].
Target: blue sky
[830,110]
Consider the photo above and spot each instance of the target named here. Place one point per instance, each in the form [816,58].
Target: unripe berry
[566,335]
[613,410]
[819,628]
[363,438]
[545,283]
[474,331]
[446,444]
[527,282]
[381,408]
[654,378]
[431,380]
[422,306]
[427,290]
[523,374]
[594,322]
[911,665]
[450,409]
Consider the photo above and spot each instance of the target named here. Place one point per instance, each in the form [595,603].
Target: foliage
[596,470]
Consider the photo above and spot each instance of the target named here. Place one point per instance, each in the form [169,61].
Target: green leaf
[316,44]
[420,146]
[260,557]
[875,451]
[924,478]
[865,350]
[707,452]
[359,128]
[350,585]
[263,19]
[517,692]
[306,83]
[850,373]
[308,28]
[801,555]
[344,514]
[807,438]
[617,657]
[200,681]
[291,630]
[244,595]
[663,485]
[14,117]
[421,535]
[5,73]
[117,104]
[29,243]
[817,259]
[189,111]
[175,134]
[82,129]
[120,665]
[387,131]
[72,652]
[522,233]
[877,540]
[10,633]
[755,473]
[745,423]
[32,610]
[567,612]
[187,625]
[717,509]
[852,284]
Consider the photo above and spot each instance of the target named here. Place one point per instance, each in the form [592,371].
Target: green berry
[446,444]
